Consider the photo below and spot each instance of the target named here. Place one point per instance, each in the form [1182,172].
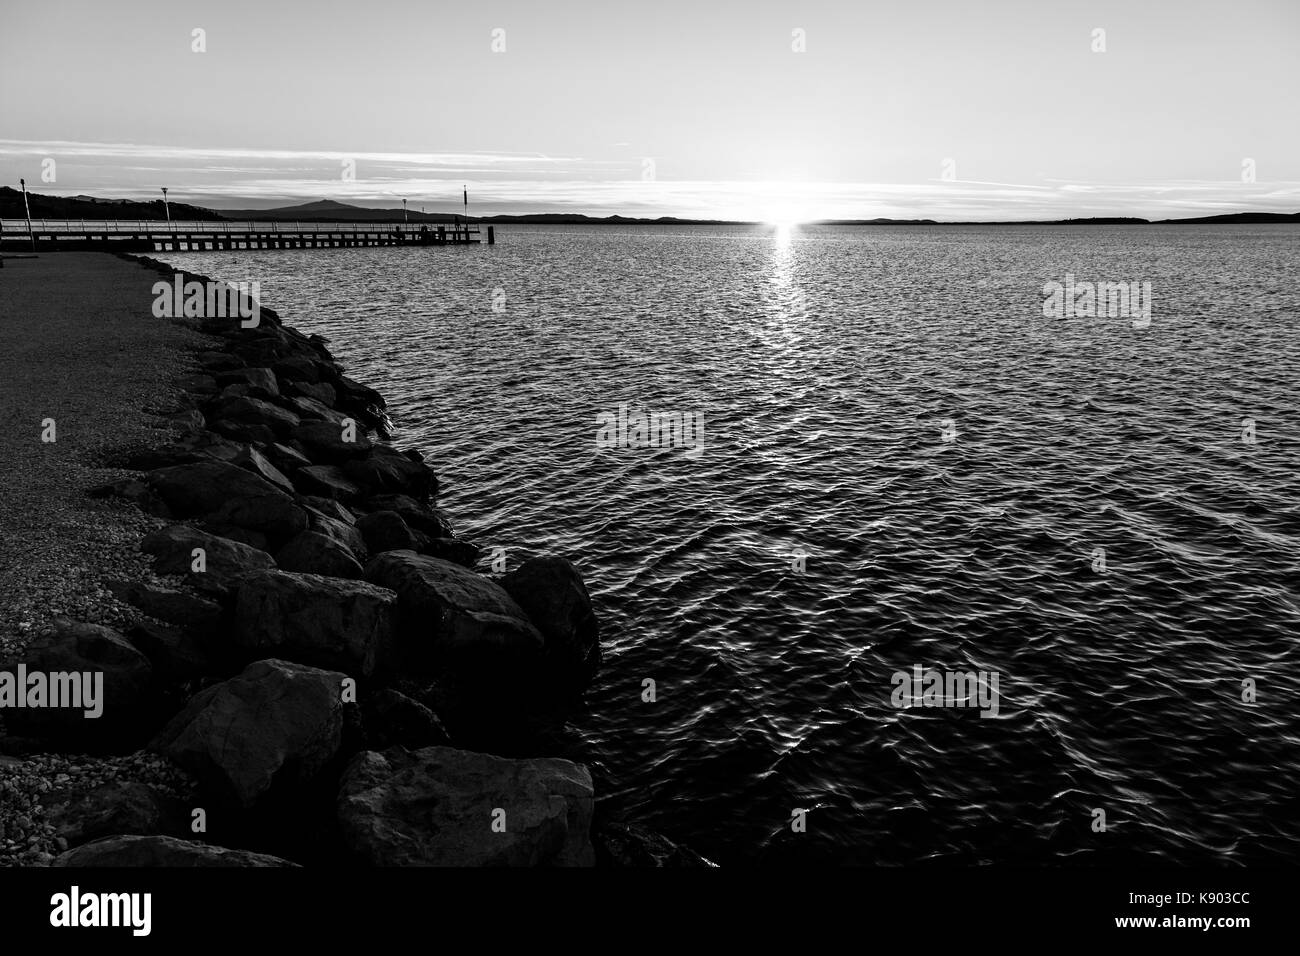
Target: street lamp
[167,208]
[403,212]
[28,210]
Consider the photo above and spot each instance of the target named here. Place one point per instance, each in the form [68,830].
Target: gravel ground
[78,344]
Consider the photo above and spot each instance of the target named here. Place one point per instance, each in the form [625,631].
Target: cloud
[528,182]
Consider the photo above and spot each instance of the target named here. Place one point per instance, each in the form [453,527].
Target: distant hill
[578,219]
[88,207]
[328,210]
[1243,217]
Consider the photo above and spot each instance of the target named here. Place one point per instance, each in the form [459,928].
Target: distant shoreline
[91,208]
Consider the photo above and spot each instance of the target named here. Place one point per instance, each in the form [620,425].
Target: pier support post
[492,236]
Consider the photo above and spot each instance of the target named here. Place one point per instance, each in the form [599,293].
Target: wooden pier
[53,235]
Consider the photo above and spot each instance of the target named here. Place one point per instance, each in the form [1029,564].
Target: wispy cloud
[524,182]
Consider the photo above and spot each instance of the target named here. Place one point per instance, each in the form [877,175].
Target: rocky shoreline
[321,677]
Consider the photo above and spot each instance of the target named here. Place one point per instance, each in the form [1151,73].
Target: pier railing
[225,226]
[225,234]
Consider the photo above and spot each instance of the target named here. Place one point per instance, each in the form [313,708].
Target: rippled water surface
[825,363]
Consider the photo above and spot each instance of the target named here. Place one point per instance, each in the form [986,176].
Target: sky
[775,110]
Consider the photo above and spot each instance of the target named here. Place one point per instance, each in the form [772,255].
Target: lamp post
[403,212]
[166,208]
[28,211]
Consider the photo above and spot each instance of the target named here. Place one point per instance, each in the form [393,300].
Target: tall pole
[466,197]
[403,212]
[28,210]
[166,208]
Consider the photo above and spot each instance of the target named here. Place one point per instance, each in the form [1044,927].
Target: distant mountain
[328,210]
[1246,217]
[572,218]
[88,207]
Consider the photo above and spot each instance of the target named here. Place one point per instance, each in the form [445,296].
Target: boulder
[261,382]
[314,553]
[203,487]
[455,550]
[113,680]
[420,517]
[251,434]
[392,719]
[326,481]
[330,508]
[170,605]
[448,612]
[323,392]
[288,460]
[388,471]
[272,727]
[324,441]
[161,851]
[277,517]
[298,369]
[437,807]
[250,459]
[308,409]
[225,562]
[361,402]
[176,654]
[386,531]
[552,594]
[317,620]
[341,532]
[255,411]
[110,809]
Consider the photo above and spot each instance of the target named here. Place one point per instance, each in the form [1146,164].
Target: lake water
[903,463]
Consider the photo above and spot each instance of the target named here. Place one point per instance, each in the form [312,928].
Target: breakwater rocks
[324,662]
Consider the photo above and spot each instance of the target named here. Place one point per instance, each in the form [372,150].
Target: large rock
[261,382]
[392,719]
[177,654]
[338,530]
[324,442]
[443,807]
[170,605]
[552,594]
[254,411]
[273,727]
[448,612]
[110,809]
[227,494]
[314,553]
[225,563]
[386,531]
[250,459]
[104,704]
[312,619]
[326,481]
[420,517]
[202,488]
[388,471]
[161,851]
